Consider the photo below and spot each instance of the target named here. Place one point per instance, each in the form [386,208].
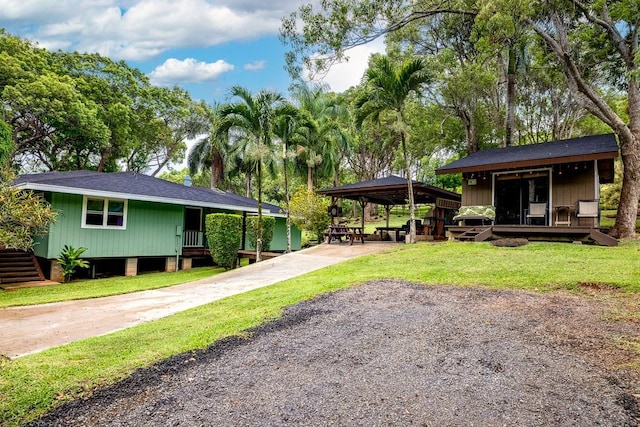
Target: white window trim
[105,213]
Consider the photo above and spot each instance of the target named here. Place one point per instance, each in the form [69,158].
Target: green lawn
[102,287]
[31,385]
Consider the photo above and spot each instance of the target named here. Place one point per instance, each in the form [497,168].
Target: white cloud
[175,71]
[141,29]
[342,76]
[255,65]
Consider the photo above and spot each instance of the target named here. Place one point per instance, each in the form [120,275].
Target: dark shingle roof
[569,150]
[390,180]
[390,190]
[136,186]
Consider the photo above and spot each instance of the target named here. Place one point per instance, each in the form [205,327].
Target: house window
[104,213]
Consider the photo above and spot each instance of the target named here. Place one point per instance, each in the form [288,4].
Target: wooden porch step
[21,279]
[476,234]
[16,266]
[602,238]
[19,266]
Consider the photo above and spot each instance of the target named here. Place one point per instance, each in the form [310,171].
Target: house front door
[193,235]
[514,191]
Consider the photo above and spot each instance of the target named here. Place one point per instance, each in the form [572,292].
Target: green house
[130,221]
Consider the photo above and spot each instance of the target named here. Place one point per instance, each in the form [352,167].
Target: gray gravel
[392,353]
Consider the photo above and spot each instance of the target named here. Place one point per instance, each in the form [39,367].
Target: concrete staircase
[18,267]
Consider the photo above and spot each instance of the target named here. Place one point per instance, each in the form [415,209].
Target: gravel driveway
[395,353]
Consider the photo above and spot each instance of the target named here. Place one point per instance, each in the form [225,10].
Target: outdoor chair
[588,209]
[537,210]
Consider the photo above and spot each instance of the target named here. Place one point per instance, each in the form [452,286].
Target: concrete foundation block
[55,272]
[131,267]
[170,264]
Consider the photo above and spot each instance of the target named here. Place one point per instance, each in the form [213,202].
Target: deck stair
[602,238]
[476,234]
[19,266]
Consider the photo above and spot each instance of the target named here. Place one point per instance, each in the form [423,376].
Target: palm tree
[211,151]
[291,130]
[387,89]
[252,118]
[322,142]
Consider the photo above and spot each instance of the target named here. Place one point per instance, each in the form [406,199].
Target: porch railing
[193,239]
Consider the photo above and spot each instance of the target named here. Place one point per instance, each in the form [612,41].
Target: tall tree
[591,39]
[594,41]
[182,119]
[465,81]
[290,130]
[320,149]
[372,146]
[389,88]
[84,111]
[6,144]
[253,117]
[54,125]
[212,151]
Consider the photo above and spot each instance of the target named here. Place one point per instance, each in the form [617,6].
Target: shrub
[23,214]
[69,260]
[224,237]
[309,212]
[268,225]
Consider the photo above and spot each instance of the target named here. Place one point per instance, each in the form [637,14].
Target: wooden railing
[193,239]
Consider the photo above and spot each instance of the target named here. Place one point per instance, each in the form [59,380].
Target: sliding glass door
[514,191]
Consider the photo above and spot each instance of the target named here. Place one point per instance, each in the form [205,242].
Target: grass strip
[102,287]
[32,385]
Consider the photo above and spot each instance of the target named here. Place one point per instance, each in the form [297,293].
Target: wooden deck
[195,252]
[252,255]
[481,233]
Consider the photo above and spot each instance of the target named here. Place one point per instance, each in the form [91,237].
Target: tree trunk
[511,98]
[309,178]
[286,200]
[590,99]
[412,207]
[625,225]
[216,171]
[470,128]
[629,139]
[372,211]
[259,230]
[247,185]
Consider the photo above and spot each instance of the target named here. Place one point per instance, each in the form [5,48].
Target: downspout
[178,245]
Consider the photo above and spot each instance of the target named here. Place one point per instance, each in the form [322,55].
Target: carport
[393,190]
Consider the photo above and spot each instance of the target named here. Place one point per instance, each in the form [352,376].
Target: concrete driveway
[26,330]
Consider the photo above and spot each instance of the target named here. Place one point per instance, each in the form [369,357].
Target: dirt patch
[510,242]
[394,353]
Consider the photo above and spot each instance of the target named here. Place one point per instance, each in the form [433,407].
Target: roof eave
[528,163]
[129,196]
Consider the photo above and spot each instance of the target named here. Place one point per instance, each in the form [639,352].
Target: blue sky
[204,46]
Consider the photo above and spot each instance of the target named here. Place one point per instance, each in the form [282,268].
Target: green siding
[151,230]
[279,241]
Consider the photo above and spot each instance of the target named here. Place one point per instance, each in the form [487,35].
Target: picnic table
[338,231]
[397,230]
